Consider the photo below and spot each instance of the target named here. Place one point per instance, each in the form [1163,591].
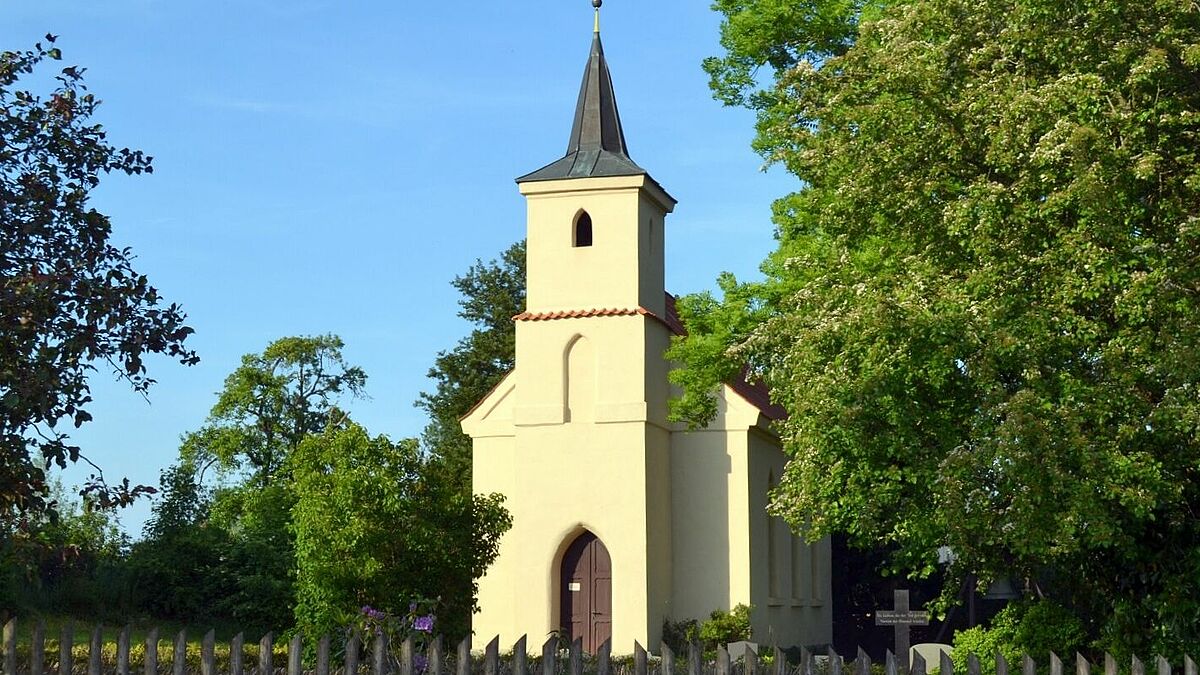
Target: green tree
[492,294]
[70,301]
[981,314]
[66,560]
[377,523]
[180,569]
[269,406]
[271,403]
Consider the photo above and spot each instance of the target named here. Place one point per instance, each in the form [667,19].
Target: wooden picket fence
[554,660]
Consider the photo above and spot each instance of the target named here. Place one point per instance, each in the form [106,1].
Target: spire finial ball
[597,3]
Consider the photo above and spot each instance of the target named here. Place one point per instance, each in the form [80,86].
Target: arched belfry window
[583,229]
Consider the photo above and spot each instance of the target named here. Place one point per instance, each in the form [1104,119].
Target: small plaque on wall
[574,587]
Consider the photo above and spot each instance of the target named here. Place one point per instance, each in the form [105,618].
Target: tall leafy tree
[982,310]
[70,301]
[269,406]
[492,294]
[378,524]
[271,403]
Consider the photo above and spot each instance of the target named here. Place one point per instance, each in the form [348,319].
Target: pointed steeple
[597,144]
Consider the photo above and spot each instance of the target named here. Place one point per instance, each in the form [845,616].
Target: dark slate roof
[597,146]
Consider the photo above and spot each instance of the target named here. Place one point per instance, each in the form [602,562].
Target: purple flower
[423,623]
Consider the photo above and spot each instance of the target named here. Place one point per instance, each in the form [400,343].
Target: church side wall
[790,609]
[710,541]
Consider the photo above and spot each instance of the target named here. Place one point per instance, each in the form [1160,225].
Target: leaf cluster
[378,525]
[70,300]
[981,314]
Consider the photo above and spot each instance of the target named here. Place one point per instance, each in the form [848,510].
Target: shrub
[1037,628]
[724,627]
[678,634]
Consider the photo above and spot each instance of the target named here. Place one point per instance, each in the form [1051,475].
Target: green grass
[139,631]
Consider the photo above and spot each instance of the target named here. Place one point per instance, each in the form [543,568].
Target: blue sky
[329,167]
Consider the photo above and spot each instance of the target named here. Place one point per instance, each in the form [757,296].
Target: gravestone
[737,650]
[901,617]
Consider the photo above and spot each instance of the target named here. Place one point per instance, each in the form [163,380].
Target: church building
[622,519]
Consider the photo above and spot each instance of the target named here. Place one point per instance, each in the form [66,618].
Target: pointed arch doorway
[586,592]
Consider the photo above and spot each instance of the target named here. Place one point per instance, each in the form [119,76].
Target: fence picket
[520,657]
[889,664]
[603,658]
[434,666]
[1001,664]
[65,642]
[10,647]
[640,662]
[491,658]
[1189,666]
[576,663]
[750,667]
[1082,666]
[354,650]
[179,656]
[835,662]
[945,665]
[150,662]
[295,653]
[266,654]
[779,661]
[1110,664]
[1056,666]
[464,656]
[549,655]
[667,667]
[406,657]
[1164,666]
[208,654]
[693,658]
[323,655]
[37,649]
[973,666]
[237,654]
[918,664]
[379,659]
[862,664]
[1028,667]
[95,646]
[723,665]
[1137,667]
[123,650]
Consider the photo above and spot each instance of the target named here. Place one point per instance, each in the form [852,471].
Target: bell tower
[595,218]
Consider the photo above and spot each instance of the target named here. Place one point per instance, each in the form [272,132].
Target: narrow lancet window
[583,230]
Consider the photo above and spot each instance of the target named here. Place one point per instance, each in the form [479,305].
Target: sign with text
[906,617]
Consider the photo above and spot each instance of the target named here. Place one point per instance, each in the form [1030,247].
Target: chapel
[622,519]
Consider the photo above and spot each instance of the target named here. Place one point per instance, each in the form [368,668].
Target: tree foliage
[378,525]
[492,294]
[179,569]
[271,403]
[67,559]
[70,301]
[981,314]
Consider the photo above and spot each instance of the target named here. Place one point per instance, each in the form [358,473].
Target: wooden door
[586,592]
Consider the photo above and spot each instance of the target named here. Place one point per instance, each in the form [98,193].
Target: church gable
[493,415]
